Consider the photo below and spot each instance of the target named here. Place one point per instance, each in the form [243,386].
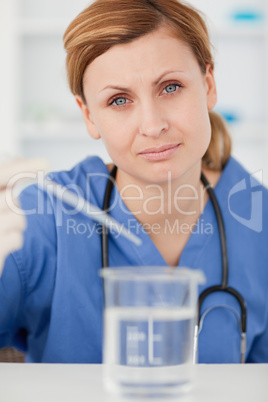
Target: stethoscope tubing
[105,207]
[221,227]
[223,287]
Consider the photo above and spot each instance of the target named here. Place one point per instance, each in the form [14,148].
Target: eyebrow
[125,89]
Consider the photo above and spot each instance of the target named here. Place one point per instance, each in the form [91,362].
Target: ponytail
[219,149]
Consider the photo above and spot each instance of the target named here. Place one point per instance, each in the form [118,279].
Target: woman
[142,74]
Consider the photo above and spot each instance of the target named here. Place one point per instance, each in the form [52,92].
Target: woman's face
[148,100]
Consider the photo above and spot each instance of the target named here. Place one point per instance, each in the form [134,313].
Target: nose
[152,121]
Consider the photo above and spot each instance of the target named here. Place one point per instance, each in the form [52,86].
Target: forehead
[157,50]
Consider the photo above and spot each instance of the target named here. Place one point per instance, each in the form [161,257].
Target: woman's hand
[12,222]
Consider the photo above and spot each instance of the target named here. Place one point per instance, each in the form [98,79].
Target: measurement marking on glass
[134,336]
[152,338]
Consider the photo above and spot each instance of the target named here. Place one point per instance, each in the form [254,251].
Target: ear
[90,125]
[211,88]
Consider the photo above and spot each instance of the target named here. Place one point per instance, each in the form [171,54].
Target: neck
[182,198]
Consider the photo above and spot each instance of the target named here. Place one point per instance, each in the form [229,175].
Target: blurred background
[39,116]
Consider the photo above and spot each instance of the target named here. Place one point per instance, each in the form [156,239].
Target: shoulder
[88,167]
[243,198]
[42,209]
[88,179]
[236,179]
[45,216]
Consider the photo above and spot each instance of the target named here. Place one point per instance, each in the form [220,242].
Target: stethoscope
[222,287]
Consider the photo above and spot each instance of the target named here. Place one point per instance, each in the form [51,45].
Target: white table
[79,383]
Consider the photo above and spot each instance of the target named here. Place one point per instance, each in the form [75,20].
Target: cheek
[115,133]
[193,122]
[198,117]
[207,132]
[201,128]
[191,106]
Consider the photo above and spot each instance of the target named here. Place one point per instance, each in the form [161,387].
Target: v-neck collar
[148,253]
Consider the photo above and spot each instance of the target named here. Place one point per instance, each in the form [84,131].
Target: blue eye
[171,88]
[120,101]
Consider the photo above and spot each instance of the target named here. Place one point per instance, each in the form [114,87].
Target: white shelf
[243,31]
[52,130]
[249,131]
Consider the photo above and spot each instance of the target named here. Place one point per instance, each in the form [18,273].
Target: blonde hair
[106,23]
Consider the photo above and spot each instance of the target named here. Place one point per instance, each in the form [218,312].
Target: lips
[159,149]
[159,153]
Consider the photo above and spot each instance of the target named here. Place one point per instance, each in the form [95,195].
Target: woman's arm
[12,219]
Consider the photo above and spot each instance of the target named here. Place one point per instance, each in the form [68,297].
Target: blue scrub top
[51,295]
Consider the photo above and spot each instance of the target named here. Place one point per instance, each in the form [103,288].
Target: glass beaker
[149,318]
